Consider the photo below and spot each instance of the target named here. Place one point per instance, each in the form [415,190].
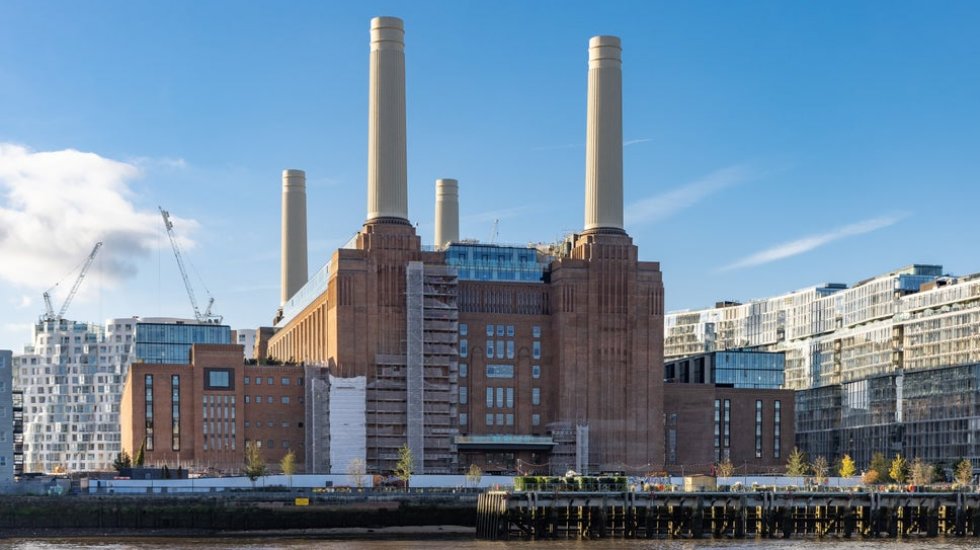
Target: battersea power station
[517,359]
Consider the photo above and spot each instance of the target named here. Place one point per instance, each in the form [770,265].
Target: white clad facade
[72,377]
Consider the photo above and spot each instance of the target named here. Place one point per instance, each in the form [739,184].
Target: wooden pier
[600,515]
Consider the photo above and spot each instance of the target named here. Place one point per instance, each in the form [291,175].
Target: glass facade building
[170,343]
[490,262]
[736,369]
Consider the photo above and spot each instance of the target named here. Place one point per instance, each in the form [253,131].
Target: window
[463,419]
[489,419]
[727,428]
[175,412]
[464,348]
[535,419]
[270,381]
[218,379]
[535,371]
[510,419]
[536,331]
[500,371]
[510,398]
[717,430]
[489,349]
[489,397]
[148,384]
[500,349]
[758,428]
[535,396]
[500,419]
[500,330]
[463,370]
[536,350]
[258,380]
[248,399]
[284,400]
[510,349]
[258,398]
[463,395]
[245,380]
[490,330]
[284,381]
[510,330]
[500,397]
[777,419]
[463,329]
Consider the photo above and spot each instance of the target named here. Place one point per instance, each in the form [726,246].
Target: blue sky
[770,145]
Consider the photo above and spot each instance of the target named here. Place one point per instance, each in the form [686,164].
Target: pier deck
[590,515]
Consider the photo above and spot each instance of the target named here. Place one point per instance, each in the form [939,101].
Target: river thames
[468,544]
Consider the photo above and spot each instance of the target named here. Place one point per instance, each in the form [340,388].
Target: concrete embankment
[239,514]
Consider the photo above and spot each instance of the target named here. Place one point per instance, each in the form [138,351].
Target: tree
[140,455]
[797,466]
[820,468]
[725,468]
[356,471]
[474,474]
[899,469]
[405,465]
[879,464]
[122,461]
[254,463]
[288,465]
[870,477]
[922,472]
[964,472]
[847,467]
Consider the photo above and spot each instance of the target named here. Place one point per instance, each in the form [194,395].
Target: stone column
[294,268]
[447,212]
[387,169]
[604,137]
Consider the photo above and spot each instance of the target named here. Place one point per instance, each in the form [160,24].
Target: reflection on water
[467,544]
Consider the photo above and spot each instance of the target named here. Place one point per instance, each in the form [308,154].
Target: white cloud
[24,302]
[664,205]
[629,142]
[54,207]
[811,242]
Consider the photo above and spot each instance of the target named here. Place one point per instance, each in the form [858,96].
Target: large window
[717,430]
[220,379]
[463,395]
[535,396]
[148,384]
[500,371]
[777,419]
[727,429]
[175,412]
[758,428]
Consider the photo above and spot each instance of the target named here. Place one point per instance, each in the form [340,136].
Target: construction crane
[207,316]
[493,231]
[49,314]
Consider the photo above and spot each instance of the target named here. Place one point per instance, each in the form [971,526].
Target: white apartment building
[72,377]
[891,364]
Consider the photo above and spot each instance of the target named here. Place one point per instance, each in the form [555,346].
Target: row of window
[269,399]
[499,371]
[270,380]
[500,330]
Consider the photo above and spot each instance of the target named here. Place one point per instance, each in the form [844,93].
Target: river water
[469,544]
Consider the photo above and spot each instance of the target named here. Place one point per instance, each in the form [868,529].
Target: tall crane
[207,316]
[49,314]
